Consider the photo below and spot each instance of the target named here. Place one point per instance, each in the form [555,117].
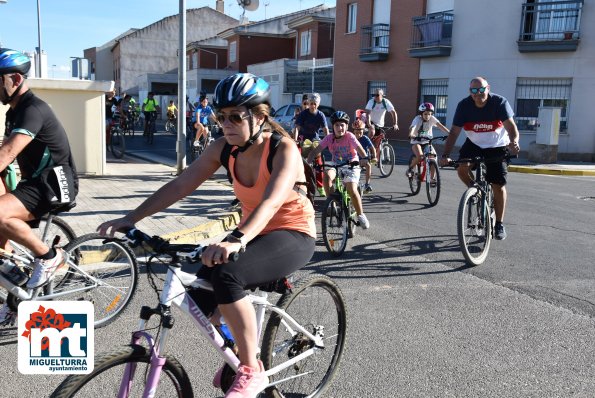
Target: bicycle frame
[174,293]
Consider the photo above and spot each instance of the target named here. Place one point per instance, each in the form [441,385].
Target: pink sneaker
[248,382]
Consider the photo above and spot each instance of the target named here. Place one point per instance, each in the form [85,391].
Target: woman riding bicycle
[344,148]
[277,229]
[420,132]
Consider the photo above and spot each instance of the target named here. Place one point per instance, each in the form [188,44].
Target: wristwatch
[238,237]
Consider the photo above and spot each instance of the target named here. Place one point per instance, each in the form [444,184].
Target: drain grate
[586,197]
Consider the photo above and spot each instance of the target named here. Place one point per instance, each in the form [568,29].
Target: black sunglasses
[478,90]
[235,118]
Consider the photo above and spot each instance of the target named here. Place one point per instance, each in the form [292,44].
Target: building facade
[153,50]
[536,53]
[371,51]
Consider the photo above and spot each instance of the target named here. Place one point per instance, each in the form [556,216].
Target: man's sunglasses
[235,118]
[478,90]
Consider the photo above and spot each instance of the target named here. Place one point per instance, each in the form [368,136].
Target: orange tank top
[296,213]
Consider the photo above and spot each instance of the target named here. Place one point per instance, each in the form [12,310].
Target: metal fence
[532,93]
[432,30]
[309,76]
[551,21]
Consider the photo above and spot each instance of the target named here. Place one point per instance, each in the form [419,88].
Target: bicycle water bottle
[12,272]
[225,332]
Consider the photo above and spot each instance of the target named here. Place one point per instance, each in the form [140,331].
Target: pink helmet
[426,106]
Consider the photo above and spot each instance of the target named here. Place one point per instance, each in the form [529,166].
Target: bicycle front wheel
[414,181]
[474,227]
[433,182]
[318,305]
[109,370]
[99,270]
[386,161]
[335,225]
[117,143]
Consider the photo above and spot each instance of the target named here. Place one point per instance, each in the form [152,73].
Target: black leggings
[267,258]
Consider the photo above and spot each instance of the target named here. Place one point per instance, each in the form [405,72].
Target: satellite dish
[248,5]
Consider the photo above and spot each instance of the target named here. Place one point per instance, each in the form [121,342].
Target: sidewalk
[519,165]
[203,214]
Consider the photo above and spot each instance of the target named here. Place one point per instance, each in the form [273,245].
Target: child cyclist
[420,132]
[359,128]
[344,147]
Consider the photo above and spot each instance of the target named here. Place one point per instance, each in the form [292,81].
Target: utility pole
[39,40]
[181,144]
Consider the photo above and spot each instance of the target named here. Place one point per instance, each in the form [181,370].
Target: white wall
[433,6]
[80,106]
[485,34]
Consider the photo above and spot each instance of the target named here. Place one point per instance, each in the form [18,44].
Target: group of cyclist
[276,235]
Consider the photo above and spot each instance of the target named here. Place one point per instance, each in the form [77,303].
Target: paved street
[421,323]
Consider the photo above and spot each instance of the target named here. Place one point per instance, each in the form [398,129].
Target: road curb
[549,171]
[206,230]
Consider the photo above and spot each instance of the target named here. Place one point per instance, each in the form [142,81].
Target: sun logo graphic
[56,337]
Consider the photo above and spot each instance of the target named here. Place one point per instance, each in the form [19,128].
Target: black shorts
[32,196]
[267,258]
[495,171]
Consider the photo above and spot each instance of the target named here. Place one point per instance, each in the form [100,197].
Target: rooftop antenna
[266,4]
[247,5]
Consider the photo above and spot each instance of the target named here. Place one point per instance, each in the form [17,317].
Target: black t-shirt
[49,147]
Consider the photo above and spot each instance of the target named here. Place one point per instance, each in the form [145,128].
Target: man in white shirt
[377,108]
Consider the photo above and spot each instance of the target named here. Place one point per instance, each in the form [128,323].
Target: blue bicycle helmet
[340,116]
[12,61]
[241,89]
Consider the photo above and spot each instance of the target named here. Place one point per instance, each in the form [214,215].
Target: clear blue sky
[70,26]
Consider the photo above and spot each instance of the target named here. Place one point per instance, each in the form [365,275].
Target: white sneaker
[44,269]
[7,316]
[363,221]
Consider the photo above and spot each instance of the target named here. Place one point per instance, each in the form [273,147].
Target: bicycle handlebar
[192,253]
[479,159]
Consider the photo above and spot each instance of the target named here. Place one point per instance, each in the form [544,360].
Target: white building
[535,53]
[153,50]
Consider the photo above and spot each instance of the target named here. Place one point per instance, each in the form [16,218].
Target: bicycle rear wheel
[474,227]
[117,143]
[433,183]
[414,181]
[318,305]
[100,270]
[386,161]
[335,225]
[109,369]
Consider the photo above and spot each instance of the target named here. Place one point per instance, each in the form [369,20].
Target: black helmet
[12,61]
[241,89]
[339,116]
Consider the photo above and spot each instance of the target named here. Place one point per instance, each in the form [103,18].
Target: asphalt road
[421,323]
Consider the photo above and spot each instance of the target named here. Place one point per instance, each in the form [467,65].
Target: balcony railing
[431,35]
[375,42]
[550,26]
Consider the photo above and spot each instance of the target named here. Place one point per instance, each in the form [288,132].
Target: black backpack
[309,184]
